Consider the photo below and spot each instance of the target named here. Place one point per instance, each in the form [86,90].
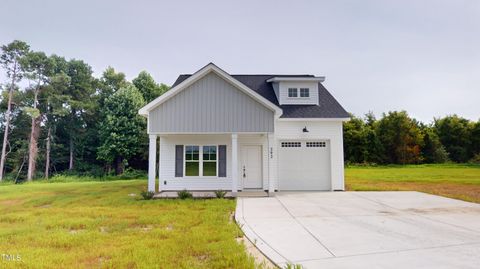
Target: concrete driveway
[363,229]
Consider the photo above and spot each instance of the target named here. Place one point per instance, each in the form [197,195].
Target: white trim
[314,119]
[234,158]
[271,160]
[279,79]
[201,73]
[206,133]
[160,182]
[152,162]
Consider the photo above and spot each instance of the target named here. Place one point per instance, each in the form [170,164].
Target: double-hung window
[209,161]
[304,92]
[201,161]
[192,161]
[292,92]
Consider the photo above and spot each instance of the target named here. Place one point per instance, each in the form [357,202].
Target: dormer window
[296,90]
[304,92]
[292,92]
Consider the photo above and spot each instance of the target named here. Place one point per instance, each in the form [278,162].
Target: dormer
[298,90]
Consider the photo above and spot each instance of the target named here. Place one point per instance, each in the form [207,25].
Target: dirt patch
[466,192]
[11,202]
[76,231]
[141,227]
[202,258]
[146,228]
[260,260]
[97,262]
[231,218]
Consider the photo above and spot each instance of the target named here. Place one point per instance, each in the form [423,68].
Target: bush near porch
[101,225]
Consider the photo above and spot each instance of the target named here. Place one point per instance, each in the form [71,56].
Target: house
[245,132]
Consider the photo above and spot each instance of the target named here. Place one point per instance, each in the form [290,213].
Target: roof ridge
[274,75]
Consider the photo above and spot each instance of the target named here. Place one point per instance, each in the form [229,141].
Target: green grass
[99,225]
[458,181]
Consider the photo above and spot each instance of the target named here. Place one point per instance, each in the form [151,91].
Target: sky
[421,56]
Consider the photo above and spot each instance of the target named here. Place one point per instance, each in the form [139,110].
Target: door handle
[244,175]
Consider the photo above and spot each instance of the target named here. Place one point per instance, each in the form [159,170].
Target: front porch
[202,163]
[211,194]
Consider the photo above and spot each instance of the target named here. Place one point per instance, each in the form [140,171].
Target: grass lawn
[99,225]
[450,180]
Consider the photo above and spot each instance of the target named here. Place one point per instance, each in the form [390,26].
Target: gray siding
[211,104]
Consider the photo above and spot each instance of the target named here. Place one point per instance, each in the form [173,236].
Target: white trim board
[314,119]
[209,133]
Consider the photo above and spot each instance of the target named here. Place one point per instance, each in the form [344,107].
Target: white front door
[251,167]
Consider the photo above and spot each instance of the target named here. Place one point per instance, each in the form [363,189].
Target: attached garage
[304,165]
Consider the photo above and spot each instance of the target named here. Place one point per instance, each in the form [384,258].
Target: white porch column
[152,162]
[272,164]
[234,164]
[159,158]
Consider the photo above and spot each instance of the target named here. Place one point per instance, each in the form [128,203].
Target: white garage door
[304,165]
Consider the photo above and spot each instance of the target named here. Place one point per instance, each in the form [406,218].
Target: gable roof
[190,79]
[328,106]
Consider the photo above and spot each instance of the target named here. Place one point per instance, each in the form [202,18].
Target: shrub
[475,159]
[293,266]
[220,194]
[147,195]
[131,173]
[184,194]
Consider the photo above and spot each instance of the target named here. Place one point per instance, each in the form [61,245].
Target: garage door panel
[304,165]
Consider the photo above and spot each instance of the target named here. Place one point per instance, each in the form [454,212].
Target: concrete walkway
[363,229]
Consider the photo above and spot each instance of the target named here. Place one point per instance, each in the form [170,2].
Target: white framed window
[209,165]
[304,92]
[292,92]
[192,161]
[201,161]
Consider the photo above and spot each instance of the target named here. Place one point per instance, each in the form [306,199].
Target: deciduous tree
[455,134]
[80,103]
[401,138]
[148,87]
[121,126]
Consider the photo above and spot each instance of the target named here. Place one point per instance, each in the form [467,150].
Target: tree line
[396,138]
[56,116]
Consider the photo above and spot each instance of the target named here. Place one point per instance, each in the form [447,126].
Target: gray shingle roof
[328,107]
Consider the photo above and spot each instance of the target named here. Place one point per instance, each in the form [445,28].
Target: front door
[251,167]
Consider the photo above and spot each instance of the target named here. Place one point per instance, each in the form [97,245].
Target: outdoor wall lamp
[305,130]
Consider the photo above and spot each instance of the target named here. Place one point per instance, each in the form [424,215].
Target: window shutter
[178,160]
[222,160]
